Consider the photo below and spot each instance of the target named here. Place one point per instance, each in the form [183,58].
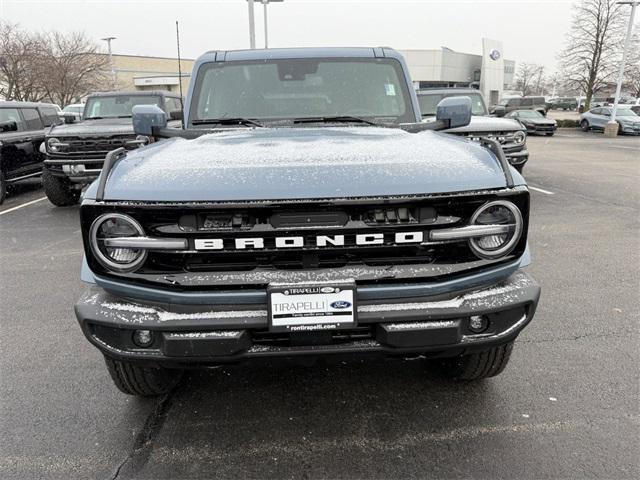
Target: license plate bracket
[312,307]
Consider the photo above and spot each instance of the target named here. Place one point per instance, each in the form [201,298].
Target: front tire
[476,366]
[59,190]
[133,379]
[584,125]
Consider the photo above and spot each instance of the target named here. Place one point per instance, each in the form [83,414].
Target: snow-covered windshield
[117,105]
[429,102]
[370,88]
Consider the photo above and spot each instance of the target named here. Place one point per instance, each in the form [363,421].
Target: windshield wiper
[228,121]
[334,119]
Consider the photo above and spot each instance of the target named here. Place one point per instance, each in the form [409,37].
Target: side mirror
[146,117]
[175,115]
[9,126]
[499,111]
[69,118]
[454,111]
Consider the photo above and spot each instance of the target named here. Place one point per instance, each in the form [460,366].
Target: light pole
[266,34]
[113,70]
[252,27]
[612,127]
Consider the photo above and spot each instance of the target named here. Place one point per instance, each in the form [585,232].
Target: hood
[485,124]
[92,128]
[302,163]
[538,121]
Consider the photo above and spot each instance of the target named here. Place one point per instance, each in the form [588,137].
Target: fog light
[143,338]
[478,323]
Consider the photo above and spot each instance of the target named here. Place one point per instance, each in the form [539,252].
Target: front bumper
[77,170]
[202,335]
[517,157]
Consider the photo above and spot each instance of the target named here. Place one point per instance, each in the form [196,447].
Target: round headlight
[519,137]
[502,213]
[143,139]
[116,225]
[51,144]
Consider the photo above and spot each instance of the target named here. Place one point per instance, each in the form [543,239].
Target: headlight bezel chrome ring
[511,243]
[102,258]
[50,147]
[519,134]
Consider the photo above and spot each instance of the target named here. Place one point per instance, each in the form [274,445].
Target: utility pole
[266,29]
[113,69]
[252,27]
[611,128]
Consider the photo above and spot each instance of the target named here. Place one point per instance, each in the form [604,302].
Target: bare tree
[529,78]
[49,66]
[593,44]
[75,67]
[21,54]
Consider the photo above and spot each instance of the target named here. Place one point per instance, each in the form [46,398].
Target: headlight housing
[143,139]
[52,144]
[519,137]
[116,225]
[499,212]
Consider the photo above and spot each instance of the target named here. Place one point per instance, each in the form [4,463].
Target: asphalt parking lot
[566,407]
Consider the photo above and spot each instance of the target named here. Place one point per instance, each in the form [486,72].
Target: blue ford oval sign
[341,304]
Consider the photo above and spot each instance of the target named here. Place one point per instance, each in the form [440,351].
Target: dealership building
[488,71]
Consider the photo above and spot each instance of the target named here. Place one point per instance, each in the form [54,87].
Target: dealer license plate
[302,308]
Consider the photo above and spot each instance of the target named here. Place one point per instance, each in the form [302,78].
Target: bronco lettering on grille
[301,242]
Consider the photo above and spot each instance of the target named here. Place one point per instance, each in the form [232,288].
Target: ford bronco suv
[76,151]
[511,135]
[22,126]
[305,210]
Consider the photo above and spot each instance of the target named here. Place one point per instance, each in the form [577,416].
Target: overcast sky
[532,31]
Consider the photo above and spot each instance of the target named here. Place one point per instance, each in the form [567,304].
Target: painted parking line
[546,192]
[23,205]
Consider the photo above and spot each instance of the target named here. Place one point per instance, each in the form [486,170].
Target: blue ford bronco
[304,210]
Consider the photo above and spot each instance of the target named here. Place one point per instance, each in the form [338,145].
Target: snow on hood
[94,128]
[299,163]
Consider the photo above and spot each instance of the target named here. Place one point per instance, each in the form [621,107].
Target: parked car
[75,152]
[507,105]
[534,121]
[562,103]
[305,211]
[511,135]
[597,119]
[75,109]
[22,127]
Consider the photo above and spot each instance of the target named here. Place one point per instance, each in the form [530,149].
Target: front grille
[91,148]
[382,223]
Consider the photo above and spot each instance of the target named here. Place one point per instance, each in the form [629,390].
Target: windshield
[371,88]
[117,105]
[503,102]
[625,112]
[73,109]
[529,114]
[428,102]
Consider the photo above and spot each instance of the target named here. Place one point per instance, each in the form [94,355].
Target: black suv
[76,151]
[510,134]
[507,105]
[22,127]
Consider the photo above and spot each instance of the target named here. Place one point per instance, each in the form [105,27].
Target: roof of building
[134,92]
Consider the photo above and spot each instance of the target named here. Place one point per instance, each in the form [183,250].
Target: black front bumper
[208,335]
[92,168]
